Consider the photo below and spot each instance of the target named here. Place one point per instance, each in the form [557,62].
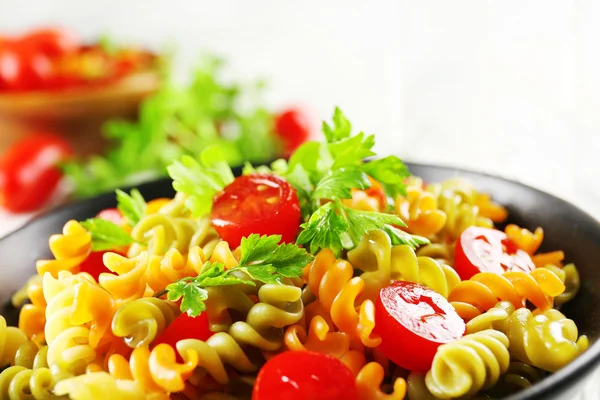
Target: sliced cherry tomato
[29,172]
[488,250]
[293,127]
[413,322]
[256,203]
[111,214]
[185,327]
[299,375]
[94,265]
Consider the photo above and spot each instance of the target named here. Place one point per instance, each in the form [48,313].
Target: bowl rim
[580,368]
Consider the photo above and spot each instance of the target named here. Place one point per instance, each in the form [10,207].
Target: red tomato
[185,327]
[293,127]
[413,321]
[111,214]
[299,375]
[94,265]
[29,173]
[50,42]
[20,71]
[488,250]
[256,203]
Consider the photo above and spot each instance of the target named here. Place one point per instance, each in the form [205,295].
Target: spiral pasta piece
[140,321]
[32,317]
[368,384]
[419,210]
[480,293]
[467,365]
[78,315]
[457,198]
[321,339]
[157,233]
[278,307]
[544,339]
[525,240]
[519,376]
[11,339]
[69,250]
[99,385]
[337,294]
[23,383]
[384,263]
[129,281]
[570,277]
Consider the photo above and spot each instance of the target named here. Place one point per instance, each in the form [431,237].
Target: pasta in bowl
[321,277]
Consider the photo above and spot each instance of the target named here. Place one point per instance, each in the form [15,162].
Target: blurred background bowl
[77,114]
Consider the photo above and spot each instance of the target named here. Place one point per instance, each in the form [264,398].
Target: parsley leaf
[341,127]
[352,151]
[262,259]
[201,179]
[267,261]
[360,222]
[324,229]
[390,172]
[132,206]
[106,235]
[338,183]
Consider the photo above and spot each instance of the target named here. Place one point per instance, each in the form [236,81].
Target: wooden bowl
[77,114]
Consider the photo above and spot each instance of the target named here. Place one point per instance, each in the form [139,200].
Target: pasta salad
[321,277]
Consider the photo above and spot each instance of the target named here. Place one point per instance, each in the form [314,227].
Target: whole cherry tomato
[111,214]
[488,250]
[256,203]
[29,172]
[293,127]
[20,70]
[299,375]
[185,327]
[413,321]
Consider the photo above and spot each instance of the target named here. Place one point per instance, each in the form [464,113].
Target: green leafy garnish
[180,120]
[106,235]
[201,179]
[132,206]
[323,174]
[261,259]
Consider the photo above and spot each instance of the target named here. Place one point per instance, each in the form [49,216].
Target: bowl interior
[565,227]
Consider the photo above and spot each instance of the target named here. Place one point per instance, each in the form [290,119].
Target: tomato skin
[111,214]
[185,327]
[29,172]
[256,203]
[299,375]
[293,127]
[94,265]
[52,42]
[488,250]
[413,321]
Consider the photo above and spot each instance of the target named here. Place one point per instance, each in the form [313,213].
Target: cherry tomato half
[185,327]
[488,250]
[413,321]
[111,214]
[256,203]
[293,127]
[299,375]
[29,173]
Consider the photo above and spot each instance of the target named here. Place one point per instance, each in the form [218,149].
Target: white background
[508,87]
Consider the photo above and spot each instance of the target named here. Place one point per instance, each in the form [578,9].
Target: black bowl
[565,227]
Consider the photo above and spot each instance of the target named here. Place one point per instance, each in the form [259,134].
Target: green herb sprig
[262,259]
